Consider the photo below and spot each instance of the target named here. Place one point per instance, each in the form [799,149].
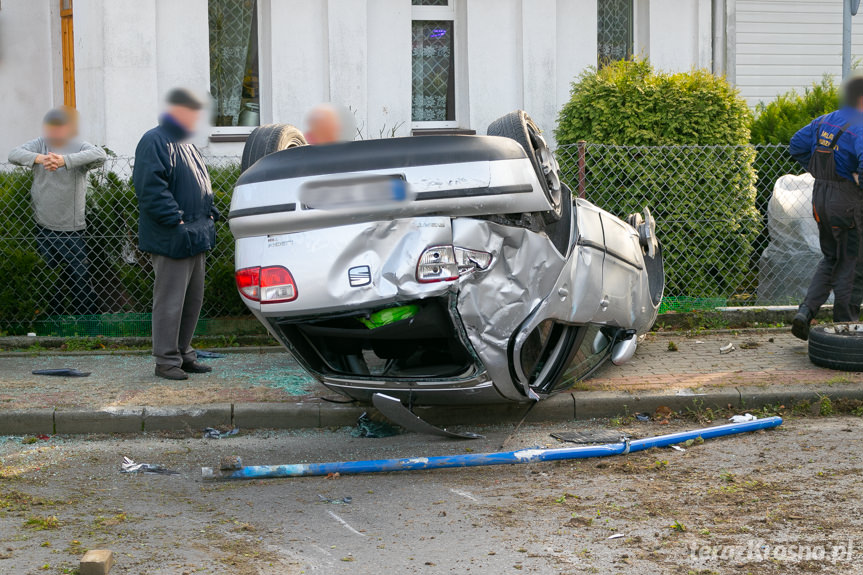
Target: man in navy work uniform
[176,226]
[831,148]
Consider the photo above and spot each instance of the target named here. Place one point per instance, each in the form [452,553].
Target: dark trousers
[836,207]
[67,252]
[178,294]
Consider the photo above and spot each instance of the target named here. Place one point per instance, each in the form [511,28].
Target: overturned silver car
[438,269]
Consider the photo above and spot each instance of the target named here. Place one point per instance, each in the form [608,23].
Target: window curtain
[233,60]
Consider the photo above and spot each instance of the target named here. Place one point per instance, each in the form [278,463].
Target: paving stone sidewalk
[760,358]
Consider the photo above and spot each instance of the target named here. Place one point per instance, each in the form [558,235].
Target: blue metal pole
[477,459]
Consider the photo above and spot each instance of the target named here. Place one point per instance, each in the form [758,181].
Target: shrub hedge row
[122,276]
[643,126]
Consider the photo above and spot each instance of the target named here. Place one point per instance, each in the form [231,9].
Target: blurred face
[186,117]
[324,126]
[58,136]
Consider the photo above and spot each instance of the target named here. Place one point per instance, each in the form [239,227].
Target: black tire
[269,138]
[519,127]
[838,346]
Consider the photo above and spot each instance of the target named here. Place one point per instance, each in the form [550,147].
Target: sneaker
[801,322]
[171,372]
[196,367]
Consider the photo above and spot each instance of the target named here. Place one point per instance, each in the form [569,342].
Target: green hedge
[777,121]
[122,276]
[676,143]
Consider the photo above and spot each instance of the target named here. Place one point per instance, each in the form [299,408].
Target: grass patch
[42,523]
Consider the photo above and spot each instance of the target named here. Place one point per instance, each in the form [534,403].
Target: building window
[234,63]
[614,30]
[433,64]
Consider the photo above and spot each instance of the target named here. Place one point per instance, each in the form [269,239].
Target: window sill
[443,132]
[224,138]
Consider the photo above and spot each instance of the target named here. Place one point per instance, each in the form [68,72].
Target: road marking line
[345,524]
[464,494]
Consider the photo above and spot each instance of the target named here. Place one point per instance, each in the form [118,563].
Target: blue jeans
[67,251]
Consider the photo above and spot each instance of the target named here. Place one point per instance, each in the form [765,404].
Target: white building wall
[679,34]
[513,54]
[389,50]
[789,44]
[27,70]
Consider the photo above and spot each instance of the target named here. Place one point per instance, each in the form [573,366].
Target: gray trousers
[178,293]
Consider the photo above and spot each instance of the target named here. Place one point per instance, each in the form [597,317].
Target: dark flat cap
[57,117]
[185,98]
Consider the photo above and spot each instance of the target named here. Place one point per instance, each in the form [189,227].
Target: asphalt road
[796,485]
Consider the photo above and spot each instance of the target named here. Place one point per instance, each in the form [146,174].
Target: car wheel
[269,138]
[519,127]
[838,346]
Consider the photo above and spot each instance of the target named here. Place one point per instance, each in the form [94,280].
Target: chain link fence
[52,287]
[711,205]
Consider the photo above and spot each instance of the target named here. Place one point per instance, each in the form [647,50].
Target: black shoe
[801,322]
[195,367]
[171,372]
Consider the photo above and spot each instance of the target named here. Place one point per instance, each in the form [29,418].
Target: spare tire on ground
[838,346]
[269,138]
[519,127]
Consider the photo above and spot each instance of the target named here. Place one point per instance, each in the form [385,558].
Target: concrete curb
[579,405]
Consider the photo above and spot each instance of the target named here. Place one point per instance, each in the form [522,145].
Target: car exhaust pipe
[237,471]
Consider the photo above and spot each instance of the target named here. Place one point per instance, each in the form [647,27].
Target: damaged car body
[438,269]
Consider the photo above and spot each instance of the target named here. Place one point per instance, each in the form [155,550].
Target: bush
[643,127]
[777,121]
[122,276]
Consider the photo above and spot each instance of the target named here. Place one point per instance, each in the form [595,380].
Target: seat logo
[360,276]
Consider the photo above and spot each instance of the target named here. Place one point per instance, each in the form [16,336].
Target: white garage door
[785,44]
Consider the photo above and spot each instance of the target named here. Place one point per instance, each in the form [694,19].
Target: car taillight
[447,263]
[273,284]
[437,264]
[277,285]
[249,283]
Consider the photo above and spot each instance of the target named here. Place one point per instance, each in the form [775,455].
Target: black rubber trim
[625,260]
[591,244]
[472,192]
[389,153]
[612,253]
[261,210]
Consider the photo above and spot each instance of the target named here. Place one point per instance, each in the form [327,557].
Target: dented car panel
[443,295]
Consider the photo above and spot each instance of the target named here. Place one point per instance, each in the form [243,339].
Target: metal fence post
[582,176]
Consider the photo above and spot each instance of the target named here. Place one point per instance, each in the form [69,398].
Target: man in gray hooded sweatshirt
[60,163]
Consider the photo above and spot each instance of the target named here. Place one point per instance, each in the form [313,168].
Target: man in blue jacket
[176,225]
[831,148]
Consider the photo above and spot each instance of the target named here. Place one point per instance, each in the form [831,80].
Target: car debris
[130,466]
[480,459]
[367,427]
[727,348]
[642,417]
[342,501]
[204,354]
[445,270]
[597,436]
[396,412]
[742,418]
[212,433]
[677,448]
[617,536]
[61,372]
